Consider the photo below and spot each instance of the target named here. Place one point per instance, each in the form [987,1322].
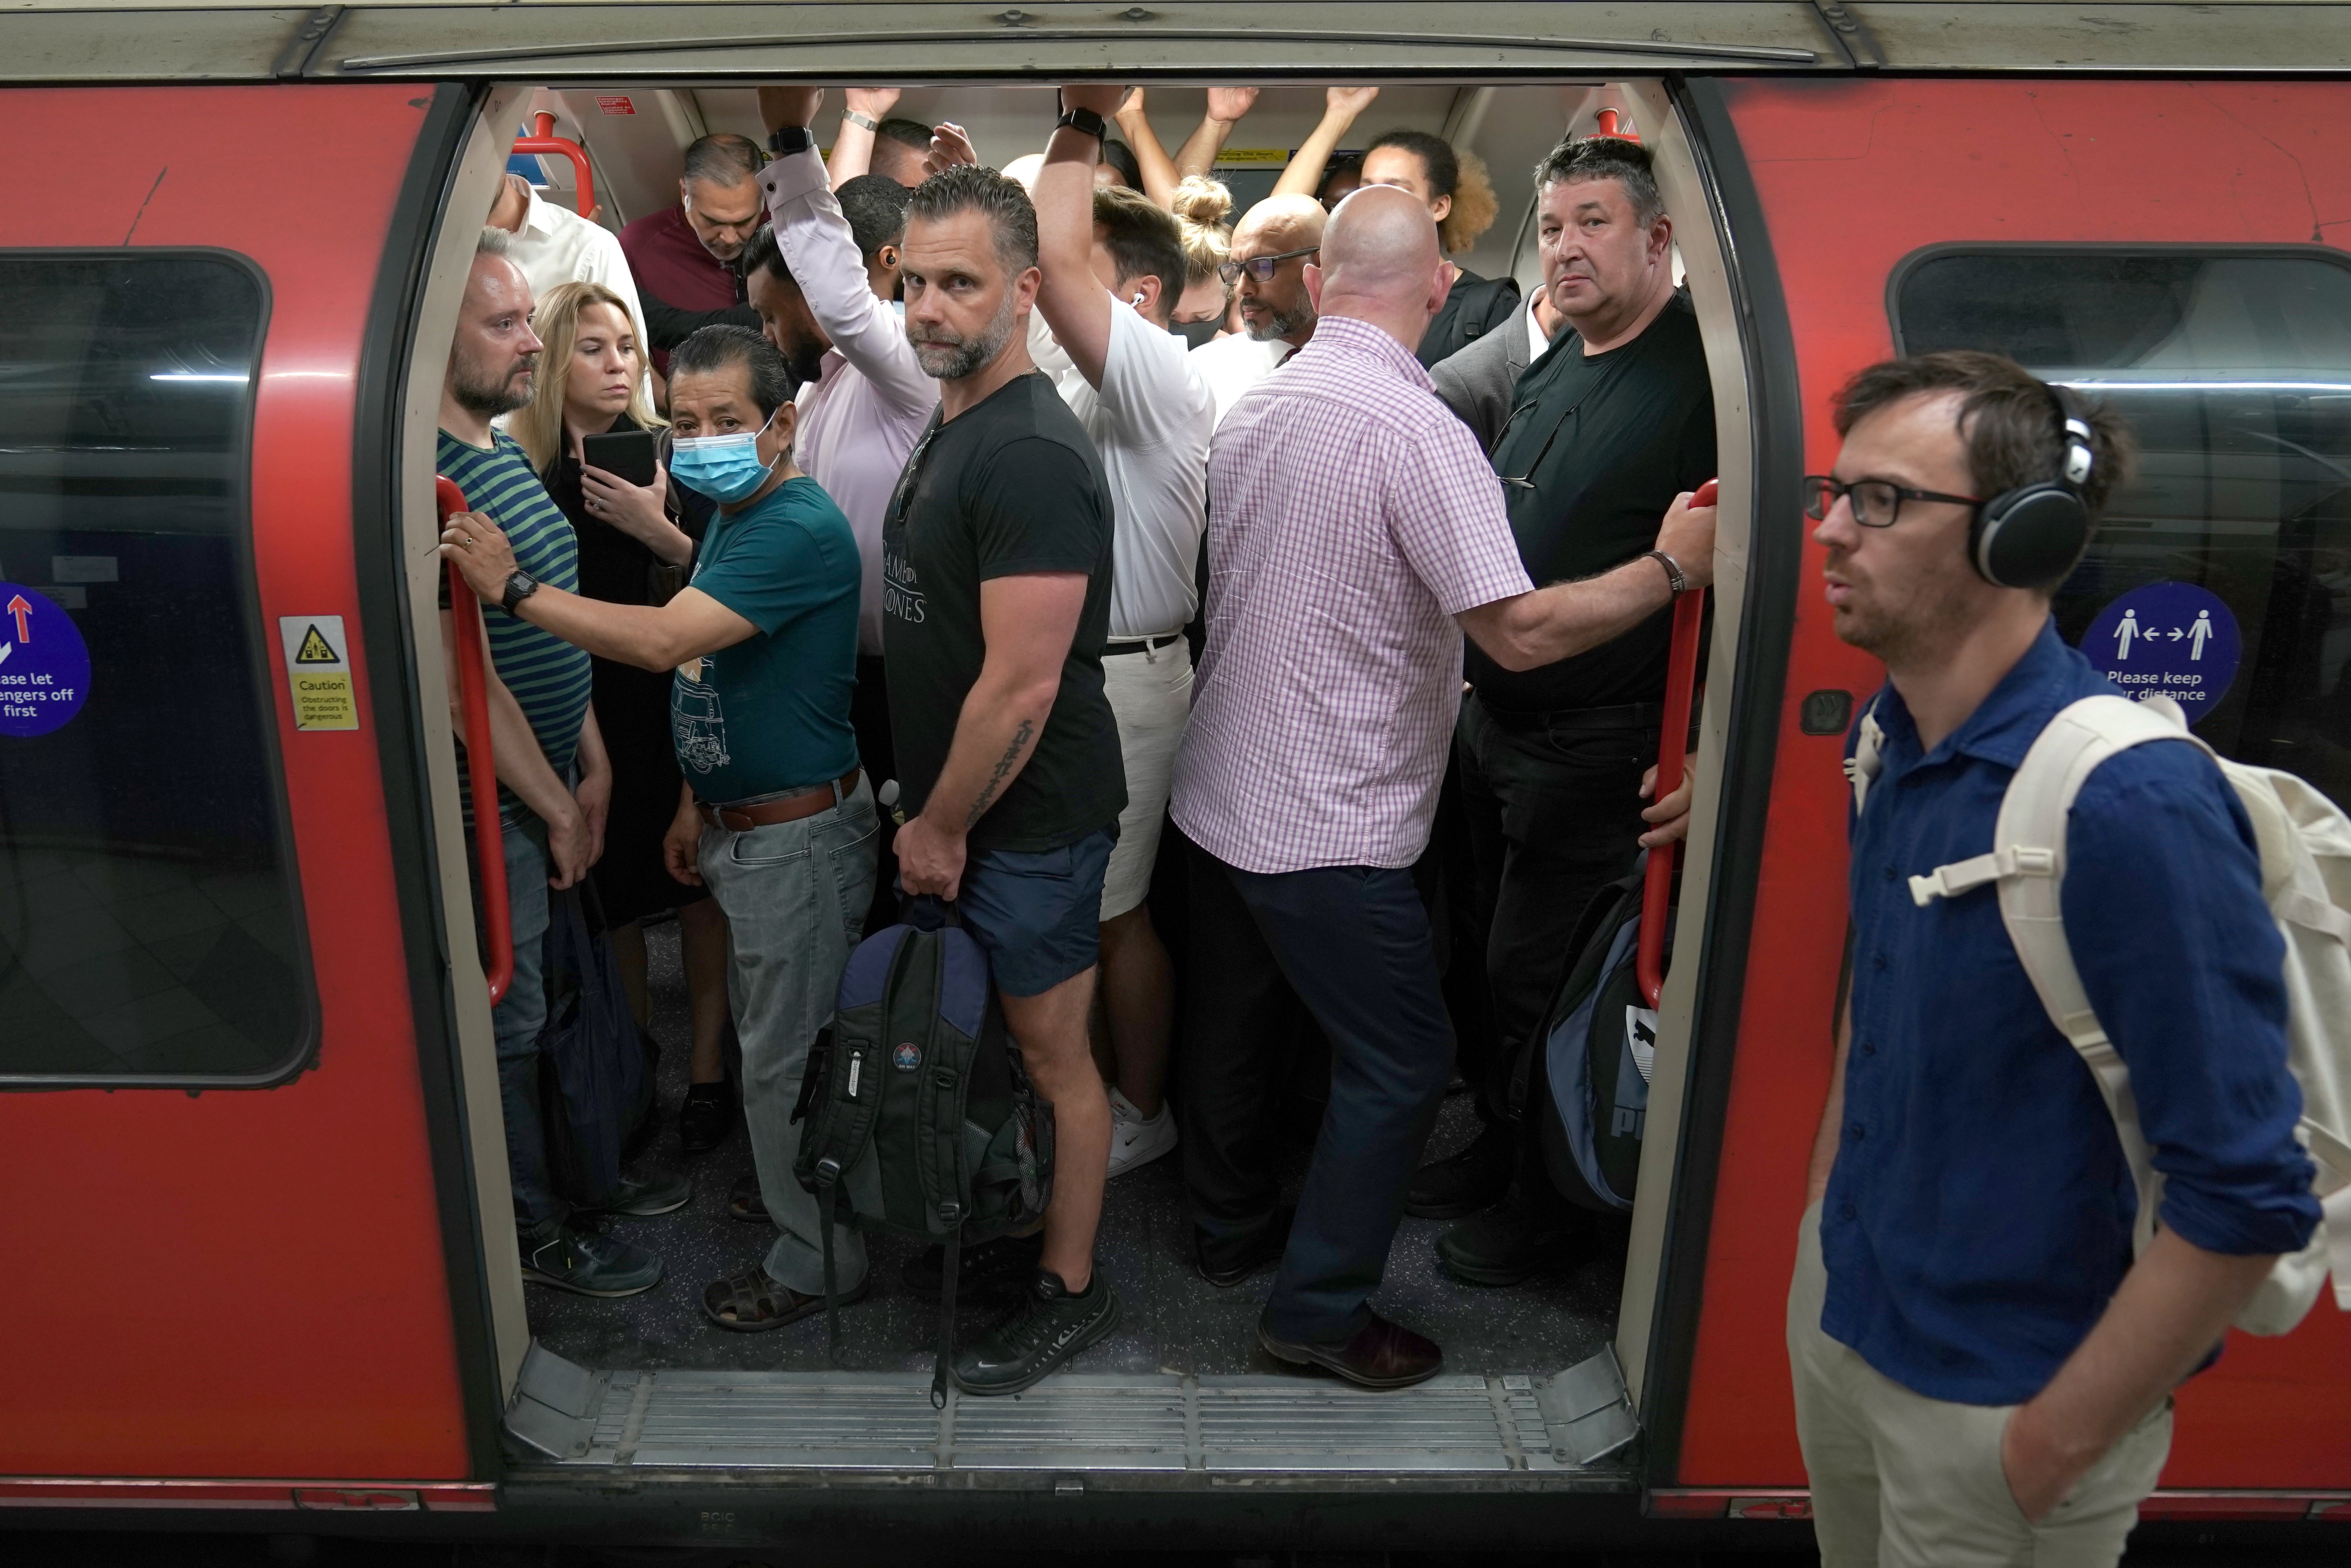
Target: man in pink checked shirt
[1356,532]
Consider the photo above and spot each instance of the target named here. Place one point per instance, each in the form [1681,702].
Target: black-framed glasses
[1876,502]
[1261,268]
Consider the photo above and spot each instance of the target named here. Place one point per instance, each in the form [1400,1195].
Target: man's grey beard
[477,393]
[1276,324]
[953,360]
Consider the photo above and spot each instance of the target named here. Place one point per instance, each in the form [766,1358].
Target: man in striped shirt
[542,734]
[1356,531]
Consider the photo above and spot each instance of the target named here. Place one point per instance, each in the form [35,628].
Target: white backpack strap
[1862,768]
[2028,864]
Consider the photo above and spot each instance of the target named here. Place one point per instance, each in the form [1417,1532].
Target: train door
[2174,248]
[241,1201]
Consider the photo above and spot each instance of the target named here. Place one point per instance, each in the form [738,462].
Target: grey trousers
[795,895]
[1901,1481]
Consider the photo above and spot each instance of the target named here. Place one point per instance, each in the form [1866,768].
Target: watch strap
[860,118]
[1086,121]
[791,139]
[1675,581]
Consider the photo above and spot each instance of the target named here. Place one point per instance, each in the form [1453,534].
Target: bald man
[1274,242]
[1356,531]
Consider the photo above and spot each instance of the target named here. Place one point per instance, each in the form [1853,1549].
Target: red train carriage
[261,1253]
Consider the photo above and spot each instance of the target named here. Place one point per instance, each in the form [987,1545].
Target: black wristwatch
[1673,579]
[788,139]
[520,585]
[1086,122]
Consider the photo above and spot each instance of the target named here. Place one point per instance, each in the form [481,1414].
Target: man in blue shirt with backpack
[1983,1368]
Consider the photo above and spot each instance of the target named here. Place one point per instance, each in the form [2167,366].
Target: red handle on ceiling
[1609,119]
[546,141]
[1681,680]
[482,774]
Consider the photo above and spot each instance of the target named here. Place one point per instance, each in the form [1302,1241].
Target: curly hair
[1450,173]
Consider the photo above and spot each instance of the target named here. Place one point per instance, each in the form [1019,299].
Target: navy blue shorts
[1038,914]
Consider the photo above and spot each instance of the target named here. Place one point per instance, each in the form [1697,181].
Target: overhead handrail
[481,769]
[546,141]
[1609,119]
[1681,678]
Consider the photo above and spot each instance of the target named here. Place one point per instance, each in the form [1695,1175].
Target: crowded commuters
[554,780]
[1113,268]
[1983,1373]
[1266,268]
[554,247]
[776,817]
[864,397]
[636,542]
[997,549]
[1606,429]
[1356,534]
[683,256]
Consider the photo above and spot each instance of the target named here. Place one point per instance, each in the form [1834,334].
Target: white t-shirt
[1150,423]
[1231,366]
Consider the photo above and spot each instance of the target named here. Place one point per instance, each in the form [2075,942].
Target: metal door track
[1164,1425]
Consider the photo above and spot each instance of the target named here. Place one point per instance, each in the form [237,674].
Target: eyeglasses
[1261,268]
[1876,502]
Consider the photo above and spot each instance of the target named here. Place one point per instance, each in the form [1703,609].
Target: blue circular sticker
[44,663]
[2168,639]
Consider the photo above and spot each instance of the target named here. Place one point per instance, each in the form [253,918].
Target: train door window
[147,925]
[2232,366]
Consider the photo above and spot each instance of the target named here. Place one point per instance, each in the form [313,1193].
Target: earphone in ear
[2030,537]
[1137,300]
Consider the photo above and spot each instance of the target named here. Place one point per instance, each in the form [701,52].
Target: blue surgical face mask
[726,468]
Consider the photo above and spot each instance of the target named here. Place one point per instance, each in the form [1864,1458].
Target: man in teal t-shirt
[776,817]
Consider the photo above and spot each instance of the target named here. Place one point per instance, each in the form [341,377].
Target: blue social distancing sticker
[44,663]
[2168,639]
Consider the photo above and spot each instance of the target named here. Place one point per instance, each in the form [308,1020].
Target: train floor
[1173,1322]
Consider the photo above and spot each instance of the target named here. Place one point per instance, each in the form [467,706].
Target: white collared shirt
[863,415]
[1537,338]
[558,248]
[1231,366]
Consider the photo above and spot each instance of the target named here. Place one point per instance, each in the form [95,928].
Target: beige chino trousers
[1901,1481]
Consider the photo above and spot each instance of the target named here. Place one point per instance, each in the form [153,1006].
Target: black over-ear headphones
[2031,537]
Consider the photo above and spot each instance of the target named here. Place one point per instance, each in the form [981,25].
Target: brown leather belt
[785,808]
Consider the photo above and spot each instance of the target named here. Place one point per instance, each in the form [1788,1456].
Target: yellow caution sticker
[1246,157]
[319,669]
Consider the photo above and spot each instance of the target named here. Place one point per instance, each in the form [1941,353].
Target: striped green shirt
[548,677]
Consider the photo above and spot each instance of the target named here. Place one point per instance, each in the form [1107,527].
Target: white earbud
[1137,300]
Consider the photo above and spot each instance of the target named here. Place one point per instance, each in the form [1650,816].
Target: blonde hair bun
[1200,200]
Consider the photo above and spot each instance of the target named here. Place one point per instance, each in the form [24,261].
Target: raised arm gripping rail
[1682,678]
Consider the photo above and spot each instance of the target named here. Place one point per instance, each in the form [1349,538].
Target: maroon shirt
[669,263]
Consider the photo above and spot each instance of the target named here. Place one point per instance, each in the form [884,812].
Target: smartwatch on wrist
[1675,581]
[792,139]
[1085,122]
[520,585]
[860,118]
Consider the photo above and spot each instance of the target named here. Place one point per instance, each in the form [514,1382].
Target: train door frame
[1649,1307]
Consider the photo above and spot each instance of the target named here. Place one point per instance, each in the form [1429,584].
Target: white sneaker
[1134,1138]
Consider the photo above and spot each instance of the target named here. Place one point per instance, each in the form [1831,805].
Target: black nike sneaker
[1047,1328]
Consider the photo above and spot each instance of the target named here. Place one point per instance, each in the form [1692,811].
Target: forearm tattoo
[1004,766]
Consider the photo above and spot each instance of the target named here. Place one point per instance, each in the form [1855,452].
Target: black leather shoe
[1461,1185]
[991,1268]
[1228,1265]
[1047,1328]
[639,1198]
[1382,1355]
[706,1117]
[1515,1239]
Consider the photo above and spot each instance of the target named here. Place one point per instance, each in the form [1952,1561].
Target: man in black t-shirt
[1612,422]
[995,565]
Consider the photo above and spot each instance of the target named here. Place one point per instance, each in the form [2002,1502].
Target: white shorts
[1151,696]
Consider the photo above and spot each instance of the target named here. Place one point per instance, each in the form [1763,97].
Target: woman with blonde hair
[1201,206]
[635,542]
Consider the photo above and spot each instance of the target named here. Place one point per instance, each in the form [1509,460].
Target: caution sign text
[318,671]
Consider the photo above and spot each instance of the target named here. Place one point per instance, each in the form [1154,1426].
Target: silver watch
[863,120]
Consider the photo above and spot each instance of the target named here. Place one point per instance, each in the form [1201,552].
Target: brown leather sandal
[754,1304]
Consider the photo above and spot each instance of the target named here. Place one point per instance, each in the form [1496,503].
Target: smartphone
[623,454]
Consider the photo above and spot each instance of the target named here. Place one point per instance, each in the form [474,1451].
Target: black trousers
[1353,944]
[869,715]
[1555,812]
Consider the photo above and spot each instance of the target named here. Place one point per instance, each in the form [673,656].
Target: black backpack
[1584,1090]
[596,1085]
[919,1118]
